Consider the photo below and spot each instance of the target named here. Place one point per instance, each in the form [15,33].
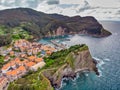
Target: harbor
[60,45]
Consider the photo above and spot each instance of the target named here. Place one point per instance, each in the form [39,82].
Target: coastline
[68,72]
[73,50]
[72,78]
[81,71]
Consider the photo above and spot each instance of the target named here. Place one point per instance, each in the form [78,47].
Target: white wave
[100,65]
[100,61]
[100,73]
[107,59]
[62,85]
[86,74]
[115,33]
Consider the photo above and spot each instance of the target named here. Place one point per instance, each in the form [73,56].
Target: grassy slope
[7,35]
[35,81]
[1,60]
[19,33]
[3,30]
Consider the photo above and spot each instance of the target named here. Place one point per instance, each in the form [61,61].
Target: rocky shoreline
[61,31]
[83,62]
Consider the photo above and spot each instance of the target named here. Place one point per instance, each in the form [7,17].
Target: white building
[38,65]
[3,83]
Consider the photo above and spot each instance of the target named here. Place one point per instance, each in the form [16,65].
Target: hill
[39,24]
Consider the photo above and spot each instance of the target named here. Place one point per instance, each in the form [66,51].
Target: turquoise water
[107,52]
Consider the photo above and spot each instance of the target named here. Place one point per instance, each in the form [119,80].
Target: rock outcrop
[75,63]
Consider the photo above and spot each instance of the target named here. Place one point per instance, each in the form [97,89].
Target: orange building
[17,73]
[48,52]
[5,68]
[12,75]
[29,64]
[32,58]
[38,60]
[12,53]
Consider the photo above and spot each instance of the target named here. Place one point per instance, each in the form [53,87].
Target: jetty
[58,44]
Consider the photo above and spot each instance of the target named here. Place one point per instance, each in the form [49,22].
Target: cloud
[20,3]
[51,2]
[101,9]
[103,3]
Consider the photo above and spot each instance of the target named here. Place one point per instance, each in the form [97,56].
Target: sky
[101,9]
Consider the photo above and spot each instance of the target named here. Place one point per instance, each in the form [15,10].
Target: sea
[105,50]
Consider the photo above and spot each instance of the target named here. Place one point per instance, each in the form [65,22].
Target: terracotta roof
[31,57]
[29,64]
[21,68]
[13,72]
[25,61]
[23,55]
[12,63]
[17,60]
[53,49]
[47,48]
[16,71]
[38,59]
[12,53]
[22,48]
[6,66]
[44,48]
[49,52]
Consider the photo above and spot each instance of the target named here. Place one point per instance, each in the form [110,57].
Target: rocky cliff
[75,62]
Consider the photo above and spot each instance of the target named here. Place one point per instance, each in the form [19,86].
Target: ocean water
[107,52]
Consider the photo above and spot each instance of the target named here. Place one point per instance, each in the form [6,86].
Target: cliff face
[75,62]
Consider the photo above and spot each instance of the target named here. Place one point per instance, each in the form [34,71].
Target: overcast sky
[101,9]
[105,3]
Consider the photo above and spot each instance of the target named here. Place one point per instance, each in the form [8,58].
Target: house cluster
[23,48]
[32,48]
[27,47]
[18,67]
[22,57]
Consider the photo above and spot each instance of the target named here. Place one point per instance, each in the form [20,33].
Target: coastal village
[21,57]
